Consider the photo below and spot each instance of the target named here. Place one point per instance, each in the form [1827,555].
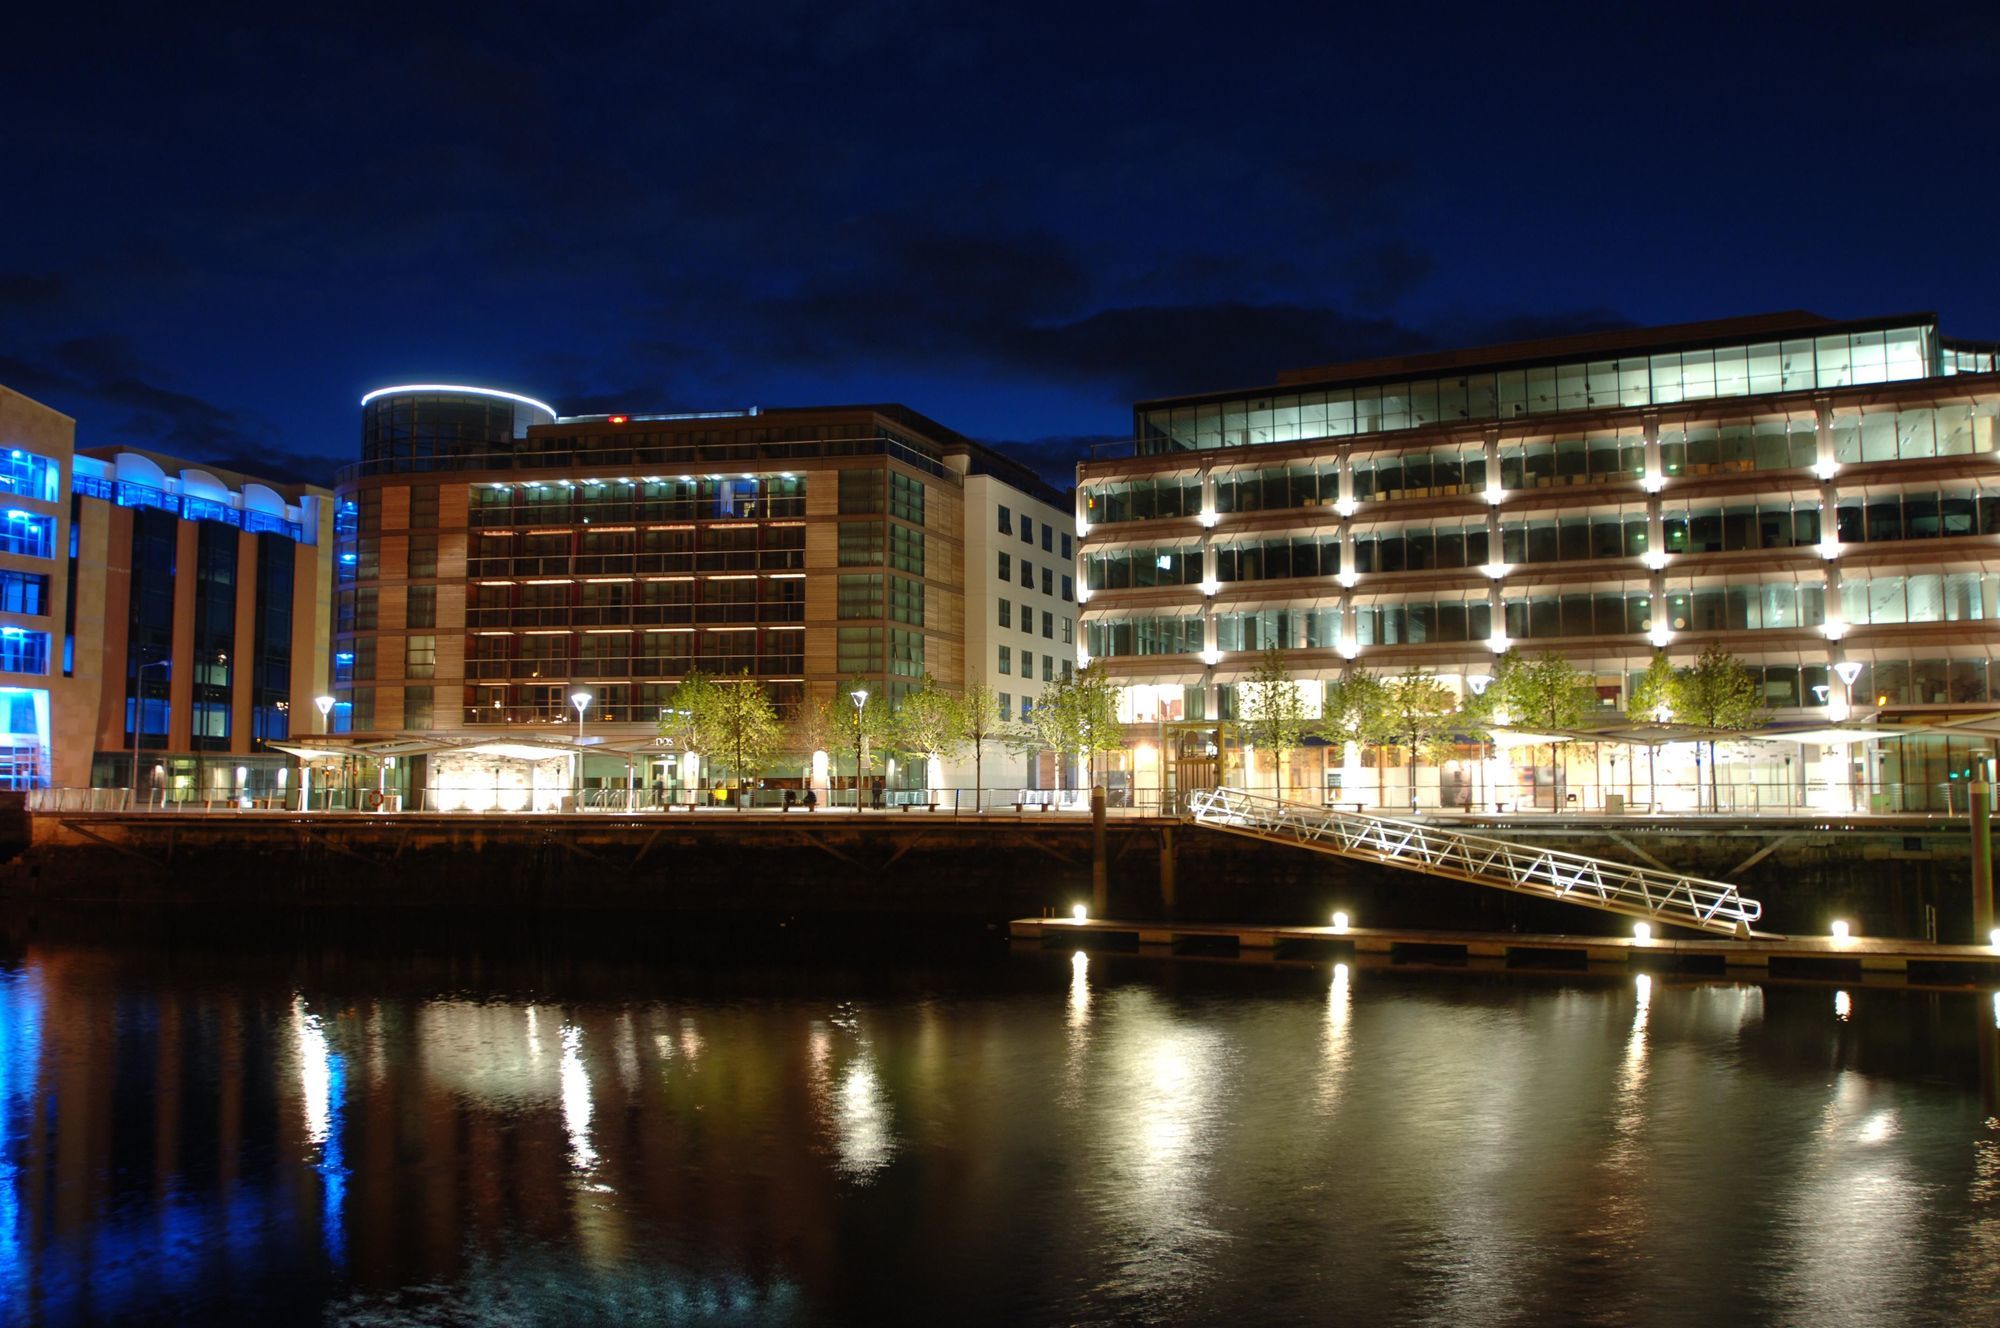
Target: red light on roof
[620,419]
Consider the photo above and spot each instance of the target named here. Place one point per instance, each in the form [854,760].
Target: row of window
[1050,534]
[1835,360]
[863,597]
[601,502]
[1006,568]
[1782,444]
[1049,665]
[1050,620]
[1781,523]
[631,654]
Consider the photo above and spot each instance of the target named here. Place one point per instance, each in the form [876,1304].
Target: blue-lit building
[198,622]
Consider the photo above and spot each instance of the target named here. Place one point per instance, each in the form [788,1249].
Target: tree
[744,724]
[681,723]
[1075,715]
[981,715]
[814,728]
[1716,692]
[1417,713]
[1653,703]
[930,723]
[862,727]
[1273,711]
[1547,692]
[1351,710]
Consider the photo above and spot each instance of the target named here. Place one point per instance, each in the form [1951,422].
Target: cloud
[116,398]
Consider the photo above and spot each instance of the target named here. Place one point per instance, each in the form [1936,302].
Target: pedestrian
[812,799]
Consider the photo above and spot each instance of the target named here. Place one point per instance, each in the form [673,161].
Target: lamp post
[860,698]
[1478,682]
[139,715]
[581,700]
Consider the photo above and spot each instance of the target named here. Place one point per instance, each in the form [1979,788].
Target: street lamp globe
[323,704]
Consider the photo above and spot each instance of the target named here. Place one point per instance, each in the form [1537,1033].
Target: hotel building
[1820,498]
[495,560]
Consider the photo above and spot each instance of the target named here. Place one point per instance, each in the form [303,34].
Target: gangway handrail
[1575,878]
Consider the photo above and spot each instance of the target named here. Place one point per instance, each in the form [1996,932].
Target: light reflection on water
[1053,1138]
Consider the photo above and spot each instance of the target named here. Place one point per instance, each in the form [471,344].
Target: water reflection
[322,1095]
[1054,1139]
[1334,1048]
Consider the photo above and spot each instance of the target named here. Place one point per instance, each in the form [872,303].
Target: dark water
[350,1134]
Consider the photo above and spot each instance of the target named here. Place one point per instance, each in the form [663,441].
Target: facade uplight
[1340,921]
[1349,577]
[1345,507]
[1079,914]
[1653,482]
[1656,560]
[1494,494]
[1211,657]
[1833,629]
[1210,585]
[1659,634]
[1829,548]
[1642,931]
[1496,570]
[1826,470]
[1498,643]
[1840,931]
[1208,518]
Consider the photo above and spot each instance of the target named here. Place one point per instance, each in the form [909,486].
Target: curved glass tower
[423,426]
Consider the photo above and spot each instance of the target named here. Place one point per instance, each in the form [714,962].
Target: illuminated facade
[43,737]
[1821,499]
[495,559]
[200,618]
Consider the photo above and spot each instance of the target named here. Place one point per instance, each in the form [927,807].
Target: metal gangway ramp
[1571,878]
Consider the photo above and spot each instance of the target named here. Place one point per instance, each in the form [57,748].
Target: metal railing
[1572,878]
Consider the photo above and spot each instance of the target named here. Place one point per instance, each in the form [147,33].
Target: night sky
[215,233]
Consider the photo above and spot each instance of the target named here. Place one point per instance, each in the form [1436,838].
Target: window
[1027,663]
[858,650]
[1048,668]
[1048,538]
[24,652]
[1065,548]
[1068,589]
[906,653]
[1027,574]
[423,508]
[27,534]
[861,491]
[420,657]
[1069,670]
[1069,631]
[906,549]
[1048,625]
[1027,530]
[1006,659]
[1006,566]
[859,597]
[1006,613]
[423,555]
[1006,522]
[417,707]
[1027,617]
[1006,707]
[906,499]
[24,592]
[1048,582]
[906,600]
[422,607]
[860,544]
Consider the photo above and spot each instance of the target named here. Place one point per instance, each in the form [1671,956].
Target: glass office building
[1820,498]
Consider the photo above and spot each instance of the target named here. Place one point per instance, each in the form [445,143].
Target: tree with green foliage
[1417,713]
[1273,712]
[1546,692]
[681,722]
[1716,692]
[813,727]
[1075,715]
[1350,711]
[930,723]
[980,715]
[861,728]
[1653,703]
[747,727]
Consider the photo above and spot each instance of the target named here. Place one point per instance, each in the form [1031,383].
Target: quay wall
[1897,881]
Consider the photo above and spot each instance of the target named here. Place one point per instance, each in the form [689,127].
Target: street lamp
[860,698]
[581,700]
[139,716]
[323,704]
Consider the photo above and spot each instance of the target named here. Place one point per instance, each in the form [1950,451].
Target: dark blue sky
[216,231]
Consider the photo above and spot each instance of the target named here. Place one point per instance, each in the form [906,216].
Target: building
[498,562]
[1820,498]
[198,627]
[45,736]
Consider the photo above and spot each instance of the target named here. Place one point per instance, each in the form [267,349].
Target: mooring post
[1100,877]
[1982,862]
[1166,871]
